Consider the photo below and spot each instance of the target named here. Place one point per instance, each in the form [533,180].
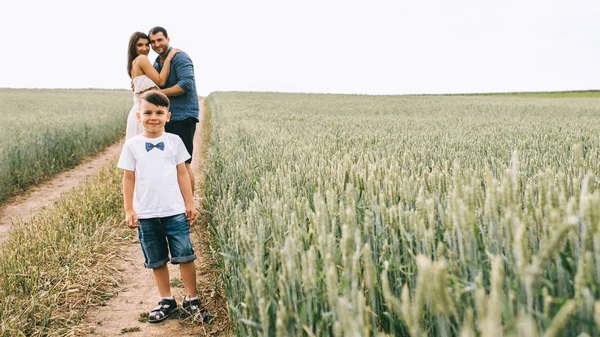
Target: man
[181,90]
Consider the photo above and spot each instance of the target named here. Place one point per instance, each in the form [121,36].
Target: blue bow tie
[160,146]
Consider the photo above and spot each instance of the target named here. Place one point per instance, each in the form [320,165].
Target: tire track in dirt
[137,293]
[22,207]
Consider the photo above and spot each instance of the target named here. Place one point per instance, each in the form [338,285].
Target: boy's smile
[153,118]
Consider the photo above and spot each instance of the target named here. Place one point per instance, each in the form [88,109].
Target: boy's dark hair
[158,29]
[156,97]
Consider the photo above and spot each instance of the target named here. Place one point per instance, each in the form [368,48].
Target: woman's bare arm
[146,67]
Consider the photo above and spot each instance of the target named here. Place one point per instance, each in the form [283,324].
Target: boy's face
[153,118]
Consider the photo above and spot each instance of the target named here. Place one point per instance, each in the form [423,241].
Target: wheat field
[351,215]
[45,131]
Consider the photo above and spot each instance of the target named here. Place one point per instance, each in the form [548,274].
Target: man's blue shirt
[182,73]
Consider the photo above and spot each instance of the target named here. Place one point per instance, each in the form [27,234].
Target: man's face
[153,118]
[159,43]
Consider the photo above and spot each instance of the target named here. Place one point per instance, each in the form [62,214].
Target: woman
[143,75]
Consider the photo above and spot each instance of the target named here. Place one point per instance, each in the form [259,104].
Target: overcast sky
[370,47]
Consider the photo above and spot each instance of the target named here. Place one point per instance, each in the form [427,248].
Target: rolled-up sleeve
[184,69]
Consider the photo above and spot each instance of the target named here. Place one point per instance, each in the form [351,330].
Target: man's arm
[186,190]
[175,90]
[128,186]
[184,71]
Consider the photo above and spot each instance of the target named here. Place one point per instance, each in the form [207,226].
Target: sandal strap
[162,306]
[160,311]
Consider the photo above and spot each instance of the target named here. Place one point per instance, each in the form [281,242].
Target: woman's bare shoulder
[140,58]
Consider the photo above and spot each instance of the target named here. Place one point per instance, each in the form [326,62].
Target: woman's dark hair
[131,53]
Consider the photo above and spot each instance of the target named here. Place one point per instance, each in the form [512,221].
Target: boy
[159,202]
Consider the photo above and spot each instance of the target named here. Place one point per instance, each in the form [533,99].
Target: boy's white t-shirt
[157,193]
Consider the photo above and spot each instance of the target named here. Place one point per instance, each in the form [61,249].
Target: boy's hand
[191,214]
[131,220]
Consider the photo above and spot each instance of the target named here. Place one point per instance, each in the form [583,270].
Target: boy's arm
[128,186]
[186,190]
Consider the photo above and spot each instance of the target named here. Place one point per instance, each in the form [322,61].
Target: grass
[549,94]
[132,329]
[369,215]
[59,263]
[143,317]
[46,131]
[176,283]
[407,215]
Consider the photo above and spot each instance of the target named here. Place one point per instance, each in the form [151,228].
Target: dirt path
[23,206]
[137,293]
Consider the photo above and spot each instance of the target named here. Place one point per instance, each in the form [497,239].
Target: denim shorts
[159,236]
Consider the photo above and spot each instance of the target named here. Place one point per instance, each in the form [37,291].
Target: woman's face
[142,46]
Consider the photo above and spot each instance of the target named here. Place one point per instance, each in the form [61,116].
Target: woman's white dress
[140,84]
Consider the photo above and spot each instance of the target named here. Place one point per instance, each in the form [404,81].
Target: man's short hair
[156,97]
[158,29]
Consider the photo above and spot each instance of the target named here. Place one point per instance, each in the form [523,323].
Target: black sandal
[164,309]
[195,311]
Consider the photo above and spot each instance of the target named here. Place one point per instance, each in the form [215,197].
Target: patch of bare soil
[137,294]
[22,207]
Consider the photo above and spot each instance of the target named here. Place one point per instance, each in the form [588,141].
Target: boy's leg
[162,278]
[188,275]
[182,253]
[155,249]
[167,303]
[191,303]
[177,230]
